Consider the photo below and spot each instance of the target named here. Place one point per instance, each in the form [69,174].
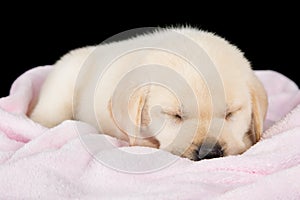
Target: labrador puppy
[115,87]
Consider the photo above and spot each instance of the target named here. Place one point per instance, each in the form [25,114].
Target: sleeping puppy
[151,114]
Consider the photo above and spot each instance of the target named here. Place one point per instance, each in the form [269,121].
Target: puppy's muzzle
[209,150]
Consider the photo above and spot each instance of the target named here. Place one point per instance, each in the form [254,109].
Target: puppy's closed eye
[228,115]
[177,116]
[230,112]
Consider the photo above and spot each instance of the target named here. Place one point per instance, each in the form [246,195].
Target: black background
[39,36]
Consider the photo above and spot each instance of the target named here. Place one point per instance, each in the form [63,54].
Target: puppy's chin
[192,155]
[146,142]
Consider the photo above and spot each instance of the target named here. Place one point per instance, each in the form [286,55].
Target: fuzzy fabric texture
[73,161]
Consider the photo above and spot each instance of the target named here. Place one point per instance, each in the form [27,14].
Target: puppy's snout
[209,150]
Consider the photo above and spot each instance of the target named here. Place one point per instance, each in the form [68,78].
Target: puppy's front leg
[55,103]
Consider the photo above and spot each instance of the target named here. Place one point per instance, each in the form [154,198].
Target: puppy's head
[205,129]
[163,122]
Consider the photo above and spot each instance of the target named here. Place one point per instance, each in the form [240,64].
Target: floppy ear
[259,108]
[138,112]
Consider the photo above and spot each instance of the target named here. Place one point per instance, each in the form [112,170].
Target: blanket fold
[73,161]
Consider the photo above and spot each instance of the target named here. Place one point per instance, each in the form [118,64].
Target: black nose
[209,150]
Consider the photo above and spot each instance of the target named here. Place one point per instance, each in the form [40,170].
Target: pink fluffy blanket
[41,163]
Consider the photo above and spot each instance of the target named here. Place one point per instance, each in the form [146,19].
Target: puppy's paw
[49,116]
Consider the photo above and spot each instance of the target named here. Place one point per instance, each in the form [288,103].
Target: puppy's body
[70,93]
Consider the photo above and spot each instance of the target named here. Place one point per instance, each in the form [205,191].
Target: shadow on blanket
[36,162]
